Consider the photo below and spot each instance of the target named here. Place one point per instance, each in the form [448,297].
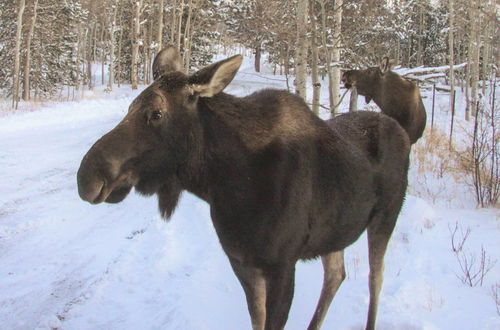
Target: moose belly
[333,231]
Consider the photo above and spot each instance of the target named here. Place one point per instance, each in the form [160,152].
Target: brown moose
[282,184]
[396,96]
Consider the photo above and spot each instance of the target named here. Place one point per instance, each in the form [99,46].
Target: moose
[282,184]
[396,96]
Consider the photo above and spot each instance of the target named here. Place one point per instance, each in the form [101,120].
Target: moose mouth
[102,190]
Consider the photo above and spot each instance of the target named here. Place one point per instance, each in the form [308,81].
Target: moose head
[148,147]
[366,80]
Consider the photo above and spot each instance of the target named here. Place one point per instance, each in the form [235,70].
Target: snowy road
[66,264]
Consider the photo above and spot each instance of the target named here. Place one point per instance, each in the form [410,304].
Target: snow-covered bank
[66,264]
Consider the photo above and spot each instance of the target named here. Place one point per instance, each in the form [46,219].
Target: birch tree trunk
[112,47]
[187,38]
[327,56]
[474,53]
[173,27]
[335,82]
[136,29]
[103,54]
[420,33]
[27,61]
[119,65]
[451,45]
[301,56]
[258,53]
[15,85]
[353,101]
[314,63]
[179,26]
[159,32]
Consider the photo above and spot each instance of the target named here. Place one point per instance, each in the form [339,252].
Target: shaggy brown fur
[282,184]
[397,97]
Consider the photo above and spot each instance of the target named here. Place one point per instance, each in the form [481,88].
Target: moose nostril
[90,182]
[90,190]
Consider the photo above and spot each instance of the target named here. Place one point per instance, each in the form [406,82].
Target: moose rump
[282,184]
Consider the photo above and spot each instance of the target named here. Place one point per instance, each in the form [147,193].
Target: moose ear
[387,64]
[167,60]
[214,78]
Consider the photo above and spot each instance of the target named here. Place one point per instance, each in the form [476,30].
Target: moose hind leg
[280,287]
[254,284]
[334,275]
[379,233]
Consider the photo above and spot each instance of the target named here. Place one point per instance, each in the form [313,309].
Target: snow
[66,264]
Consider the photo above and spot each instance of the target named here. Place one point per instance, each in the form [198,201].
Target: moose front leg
[254,284]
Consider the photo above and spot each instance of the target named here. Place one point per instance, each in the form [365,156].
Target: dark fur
[282,184]
[397,97]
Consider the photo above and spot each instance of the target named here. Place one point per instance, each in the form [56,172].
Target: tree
[112,45]
[136,41]
[302,47]
[335,82]
[451,48]
[19,24]
[27,61]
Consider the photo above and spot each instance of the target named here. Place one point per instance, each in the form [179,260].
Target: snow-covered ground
[65,264]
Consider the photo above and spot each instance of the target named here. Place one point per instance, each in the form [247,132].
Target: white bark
[15,85]
[314,63]
[112,47]
[159,33]
[451,44]
[179,25]
[136,29]
[27,62]
[301,56]
[335,82]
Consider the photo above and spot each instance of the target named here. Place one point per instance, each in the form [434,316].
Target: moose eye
[156,115]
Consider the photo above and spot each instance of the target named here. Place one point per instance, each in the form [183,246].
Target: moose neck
[219,146]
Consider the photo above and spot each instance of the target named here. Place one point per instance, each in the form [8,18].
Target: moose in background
[282,184]
[396,96]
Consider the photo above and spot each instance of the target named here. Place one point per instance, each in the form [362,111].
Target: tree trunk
[136,29]
[159,32]
[474,52]
[335,82]
[451,45]
[314,63]
[179,26]
[327,56]
[15,86]
[27,61]
[301,56]
[353,102]
[112,47]
[257,58]
[103,54]
[420,33]
[173,27]
[119,65]
[150,54]
[187,38]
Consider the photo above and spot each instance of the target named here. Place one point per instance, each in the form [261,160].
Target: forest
[47,48]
